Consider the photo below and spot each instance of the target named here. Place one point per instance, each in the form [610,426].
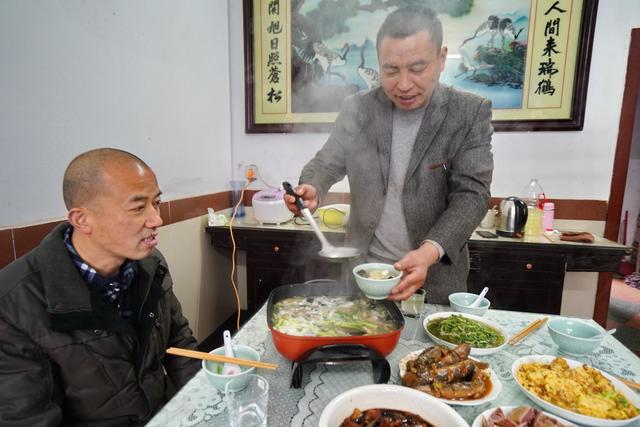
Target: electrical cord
[250,179]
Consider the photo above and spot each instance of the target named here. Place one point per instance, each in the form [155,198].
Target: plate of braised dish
[450,375]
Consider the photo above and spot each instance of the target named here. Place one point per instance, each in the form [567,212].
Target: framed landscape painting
[531,58]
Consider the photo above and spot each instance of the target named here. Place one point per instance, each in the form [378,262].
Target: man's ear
[79,219]
[443,57]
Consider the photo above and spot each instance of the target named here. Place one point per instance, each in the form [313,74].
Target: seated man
[86,316]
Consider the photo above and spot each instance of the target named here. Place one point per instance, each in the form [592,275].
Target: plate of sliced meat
[450,375]
[521,416]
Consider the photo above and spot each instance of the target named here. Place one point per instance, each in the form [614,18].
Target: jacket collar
[68,295]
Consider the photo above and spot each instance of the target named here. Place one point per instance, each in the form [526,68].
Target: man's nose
[404,81]
[154,220]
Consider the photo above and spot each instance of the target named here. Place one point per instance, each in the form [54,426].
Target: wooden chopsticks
[219,358]
[519,336]
[628,382]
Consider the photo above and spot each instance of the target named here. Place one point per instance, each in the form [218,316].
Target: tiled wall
[15,242]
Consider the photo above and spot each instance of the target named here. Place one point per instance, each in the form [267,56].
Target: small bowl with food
[450,329]
[376,279]
[390,404]
[461,301]
[213,370]
[575,337]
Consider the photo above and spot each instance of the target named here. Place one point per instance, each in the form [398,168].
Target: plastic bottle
[547,216]
[534,197]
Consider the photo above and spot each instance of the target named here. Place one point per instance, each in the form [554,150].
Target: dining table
[199,403]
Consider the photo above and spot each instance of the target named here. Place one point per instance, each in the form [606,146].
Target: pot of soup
[306,316]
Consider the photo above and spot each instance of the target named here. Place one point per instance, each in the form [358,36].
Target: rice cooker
[269,207]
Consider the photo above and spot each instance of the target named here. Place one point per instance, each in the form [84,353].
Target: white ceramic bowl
[460,302]
[392,397]
[475,351]
[374,288]
[570,415]
[214,369]
[496,385]
[506,409]
[575,337]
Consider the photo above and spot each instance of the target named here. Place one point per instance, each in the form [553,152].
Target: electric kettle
[513,216]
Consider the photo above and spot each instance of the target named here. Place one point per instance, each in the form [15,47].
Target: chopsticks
[526,331]
[219,358]
[628,382]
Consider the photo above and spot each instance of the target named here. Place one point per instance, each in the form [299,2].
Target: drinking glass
[414,305]
[248,407]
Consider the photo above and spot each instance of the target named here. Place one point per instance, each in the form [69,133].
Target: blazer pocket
[437,166]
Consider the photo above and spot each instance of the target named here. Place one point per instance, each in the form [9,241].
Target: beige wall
[579,291]
[200,275]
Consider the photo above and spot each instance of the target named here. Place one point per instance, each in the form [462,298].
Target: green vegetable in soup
[457,329]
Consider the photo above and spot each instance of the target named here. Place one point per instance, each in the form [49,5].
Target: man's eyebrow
[419,62]
[142,197]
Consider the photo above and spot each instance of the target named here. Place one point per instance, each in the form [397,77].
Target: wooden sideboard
[523,276]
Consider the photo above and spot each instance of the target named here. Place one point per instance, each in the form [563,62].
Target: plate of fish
[576,391]
[450,375]
[522,416]
[450,329]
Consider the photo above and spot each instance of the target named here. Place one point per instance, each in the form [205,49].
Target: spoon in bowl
[605,333]
[478,300]
[328,251]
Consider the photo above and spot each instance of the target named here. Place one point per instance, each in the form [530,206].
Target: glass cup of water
[248,407]
[414,305]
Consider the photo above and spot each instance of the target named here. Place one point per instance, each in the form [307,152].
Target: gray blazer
[446,189]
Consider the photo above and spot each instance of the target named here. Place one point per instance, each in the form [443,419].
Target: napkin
[577,236]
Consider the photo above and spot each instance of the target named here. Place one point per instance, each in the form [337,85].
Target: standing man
[418,158]
[86,316]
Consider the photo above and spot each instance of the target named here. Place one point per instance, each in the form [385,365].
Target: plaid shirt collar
[113,288]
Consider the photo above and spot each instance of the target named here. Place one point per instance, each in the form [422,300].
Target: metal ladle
[328,251]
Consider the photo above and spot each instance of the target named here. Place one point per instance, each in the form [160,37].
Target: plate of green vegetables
[450,329]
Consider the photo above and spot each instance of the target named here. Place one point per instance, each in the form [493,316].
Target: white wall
[572,165]
[147,76]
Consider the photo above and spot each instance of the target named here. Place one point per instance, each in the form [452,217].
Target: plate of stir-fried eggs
[576,391]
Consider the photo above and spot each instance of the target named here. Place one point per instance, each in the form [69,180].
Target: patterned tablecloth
[200,404]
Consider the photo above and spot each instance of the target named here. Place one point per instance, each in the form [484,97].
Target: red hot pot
[295,347]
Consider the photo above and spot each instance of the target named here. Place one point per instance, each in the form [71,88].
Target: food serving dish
[475,351]
[295,347]
[486,414]
[496,385]
[376,287]
[629,394]
[392,397]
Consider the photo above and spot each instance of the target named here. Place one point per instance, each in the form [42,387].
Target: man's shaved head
[84,176]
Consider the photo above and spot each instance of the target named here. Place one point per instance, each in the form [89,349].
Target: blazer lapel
[383,118]
[431,122]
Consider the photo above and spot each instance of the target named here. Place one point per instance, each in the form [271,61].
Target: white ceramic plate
[390,396]
[495,383]
[574,416]
[506,409]
[474,351]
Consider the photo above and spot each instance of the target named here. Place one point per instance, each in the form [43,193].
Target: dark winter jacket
[66,356]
